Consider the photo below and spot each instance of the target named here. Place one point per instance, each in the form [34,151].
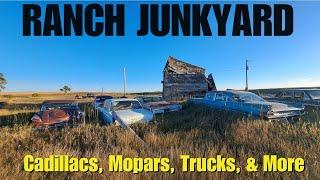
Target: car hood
[277,107]
[54,116]
[131,116]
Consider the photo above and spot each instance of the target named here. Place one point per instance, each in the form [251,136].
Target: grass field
[196,131]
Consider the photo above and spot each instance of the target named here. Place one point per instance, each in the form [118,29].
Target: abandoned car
[299,97]
[57,113]
[249,104]
[128,111]
[157,104]
[99,101]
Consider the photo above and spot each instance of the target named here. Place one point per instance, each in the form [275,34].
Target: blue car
[125,112]
[249,104]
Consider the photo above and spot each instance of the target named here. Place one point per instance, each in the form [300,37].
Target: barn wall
[181,87]
[182,80]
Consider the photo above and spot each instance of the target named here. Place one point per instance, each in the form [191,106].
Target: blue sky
[91,63]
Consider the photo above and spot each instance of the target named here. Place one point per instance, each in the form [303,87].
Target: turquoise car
[248,104]
[125,111]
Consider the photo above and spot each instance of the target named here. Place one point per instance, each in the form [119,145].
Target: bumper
[281,115]
[51,126]
[71,123]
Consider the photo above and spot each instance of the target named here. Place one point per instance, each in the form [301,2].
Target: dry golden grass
[196,131]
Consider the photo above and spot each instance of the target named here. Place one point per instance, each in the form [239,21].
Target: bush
[7,96]
[35,95]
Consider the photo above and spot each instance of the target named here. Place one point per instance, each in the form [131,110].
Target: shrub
[35,95]
[7,96]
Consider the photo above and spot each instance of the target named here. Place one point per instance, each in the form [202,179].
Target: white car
[158,105]
[128,111]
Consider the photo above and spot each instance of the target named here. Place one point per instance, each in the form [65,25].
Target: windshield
[152,99]
[124,105]
[249,97]
[315,94]
[59,106]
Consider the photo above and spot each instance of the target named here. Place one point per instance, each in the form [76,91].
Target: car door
[140,99]
[106,112]
[220,101]
[233,103]
[209,98]
[300,99]
[286,97]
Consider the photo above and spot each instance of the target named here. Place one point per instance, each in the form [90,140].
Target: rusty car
[57,113]
[298,97]
[127,111]
[249,104]
[157,104]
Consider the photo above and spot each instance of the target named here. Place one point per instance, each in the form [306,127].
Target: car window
[43,108]
[300,95]
[220,97]
[315,94]
[152,99]
[249,97]
[124,105]
[210,96]
[106,105]
[139,99]
[287,95]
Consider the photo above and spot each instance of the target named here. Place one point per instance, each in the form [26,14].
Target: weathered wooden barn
[182,80]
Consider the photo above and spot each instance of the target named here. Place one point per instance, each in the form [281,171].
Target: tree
[3,82]
[65,89]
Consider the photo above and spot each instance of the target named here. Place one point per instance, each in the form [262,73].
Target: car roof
[240,92]
[231,91]
[122,99]
[151,96]
[302,90]
[59,101]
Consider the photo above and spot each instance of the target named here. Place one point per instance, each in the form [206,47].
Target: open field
[36,98]
[196,131]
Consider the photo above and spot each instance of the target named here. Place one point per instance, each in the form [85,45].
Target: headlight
[36,118]
[270,113]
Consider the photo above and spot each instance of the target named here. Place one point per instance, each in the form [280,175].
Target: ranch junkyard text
[159,19]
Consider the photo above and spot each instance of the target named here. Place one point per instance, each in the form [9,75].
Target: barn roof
[179,67]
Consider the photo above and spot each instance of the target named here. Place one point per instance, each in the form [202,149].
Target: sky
[92,63]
